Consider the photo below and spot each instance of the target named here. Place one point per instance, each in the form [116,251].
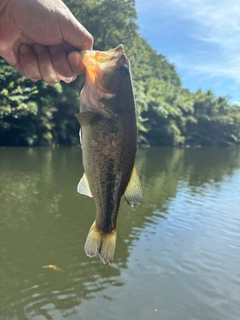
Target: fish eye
[124,71]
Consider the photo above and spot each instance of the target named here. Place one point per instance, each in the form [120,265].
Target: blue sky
[200,37]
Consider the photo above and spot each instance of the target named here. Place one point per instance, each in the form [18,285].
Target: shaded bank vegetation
[168,114]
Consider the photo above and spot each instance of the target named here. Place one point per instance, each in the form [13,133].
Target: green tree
[167,113]
[25,109]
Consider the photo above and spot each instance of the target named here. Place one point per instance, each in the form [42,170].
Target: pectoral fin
[86,118]
[134,192]
[83,186]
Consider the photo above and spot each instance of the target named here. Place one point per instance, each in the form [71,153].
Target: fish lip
[115,51]
[95,60]
[110,53]
[91,58]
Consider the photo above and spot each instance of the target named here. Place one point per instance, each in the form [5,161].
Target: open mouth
[97,60]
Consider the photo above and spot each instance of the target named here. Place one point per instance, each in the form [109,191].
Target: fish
[108,138]
[51,266]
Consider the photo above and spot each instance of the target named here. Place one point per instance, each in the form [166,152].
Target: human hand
[41,39]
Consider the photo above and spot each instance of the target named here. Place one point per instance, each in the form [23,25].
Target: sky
[200,37]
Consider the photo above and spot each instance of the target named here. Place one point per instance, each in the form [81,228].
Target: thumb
[74,33]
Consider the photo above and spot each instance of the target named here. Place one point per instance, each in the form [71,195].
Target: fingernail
[74,58]
[24,49]
[35,79]
[53,82]
[70,79]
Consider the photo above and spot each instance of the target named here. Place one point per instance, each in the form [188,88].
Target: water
[177,255]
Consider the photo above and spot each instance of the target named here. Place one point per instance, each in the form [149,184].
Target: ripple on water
[177,254]
[197,244]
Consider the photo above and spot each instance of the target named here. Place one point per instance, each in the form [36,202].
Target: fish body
[109,143]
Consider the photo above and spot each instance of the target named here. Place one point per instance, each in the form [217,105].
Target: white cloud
[236,103]
[229,68]
[200,37]
[214,26]
[219,26]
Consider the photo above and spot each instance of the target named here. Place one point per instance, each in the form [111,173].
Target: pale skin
[42,39]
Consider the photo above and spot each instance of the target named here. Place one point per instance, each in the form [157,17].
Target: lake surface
[177,255]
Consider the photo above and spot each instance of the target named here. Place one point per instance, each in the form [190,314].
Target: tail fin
[101,243]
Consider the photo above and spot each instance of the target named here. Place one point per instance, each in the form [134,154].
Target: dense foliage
[168,114]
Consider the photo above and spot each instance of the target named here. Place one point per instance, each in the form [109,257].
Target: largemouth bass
[108,137]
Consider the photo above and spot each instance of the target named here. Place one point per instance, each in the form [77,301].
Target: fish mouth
[94,60]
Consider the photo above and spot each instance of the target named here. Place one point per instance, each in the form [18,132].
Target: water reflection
[44,221]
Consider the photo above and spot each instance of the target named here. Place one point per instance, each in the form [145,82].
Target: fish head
[107,74]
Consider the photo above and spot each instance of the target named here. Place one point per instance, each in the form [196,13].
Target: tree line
[167,113]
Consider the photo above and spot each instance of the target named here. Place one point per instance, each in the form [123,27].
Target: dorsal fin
[134,192]
[83,186]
